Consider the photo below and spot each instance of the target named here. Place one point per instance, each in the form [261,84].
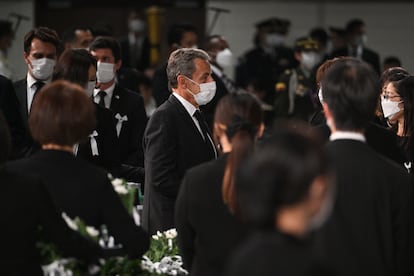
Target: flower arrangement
[162,257]
[126,192]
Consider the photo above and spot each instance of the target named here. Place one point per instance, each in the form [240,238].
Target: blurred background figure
[391,61]
[6,39]
[135,47]
[269,58]
[296,95]
[337,38]
[77,38]
[286,191]
[325,44]
[180,35]
[356,46]
[208,209]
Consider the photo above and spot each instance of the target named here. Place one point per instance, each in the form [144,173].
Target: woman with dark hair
[102,146]
[207,207]
[25,206]
[62,115]
[285,191]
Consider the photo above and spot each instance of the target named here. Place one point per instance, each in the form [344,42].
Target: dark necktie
[37,86]
[204,130]
[102,95]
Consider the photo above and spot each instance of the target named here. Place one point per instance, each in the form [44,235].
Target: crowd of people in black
[301,165]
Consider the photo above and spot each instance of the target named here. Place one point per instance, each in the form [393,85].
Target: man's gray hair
[181,62]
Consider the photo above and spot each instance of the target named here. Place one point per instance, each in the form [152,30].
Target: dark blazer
[9,105]
[367,233]
[275,253]
[144,59]
[20,88]
[81,189]
[172,145]
[207,232]
[26,205]
[127,103]
[160,89]
[107,142]
[368,55]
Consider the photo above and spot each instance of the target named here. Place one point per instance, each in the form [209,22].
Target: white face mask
[90,87]
[105,72]
[310,59]
[389,108]
[320,95]
[275,39]
[42,68]
[136,25]
[206,94]
[224,58]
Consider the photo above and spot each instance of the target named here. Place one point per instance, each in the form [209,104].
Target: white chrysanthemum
[159,234]
[155,237]
[92,231]
[71,223]
[117,182]
[121,190]
[171,234]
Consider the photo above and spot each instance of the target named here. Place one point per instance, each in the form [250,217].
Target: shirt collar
[109,91]
[187,105]
[216,70]
[350,135]
[31,80]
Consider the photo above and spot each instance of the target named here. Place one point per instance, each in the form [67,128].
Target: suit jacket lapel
[116,100]
[21,93]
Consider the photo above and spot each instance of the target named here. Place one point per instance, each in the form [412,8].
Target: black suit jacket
[9,105]
[107,141]
[81,189]
[127,103]
[207,232]
[368,56]
[172,145]
[368,231]
[26,205]
[144,59]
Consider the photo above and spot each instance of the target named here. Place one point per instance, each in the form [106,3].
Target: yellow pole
[154,33]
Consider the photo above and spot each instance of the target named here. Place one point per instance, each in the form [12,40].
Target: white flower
[159,234]
[92,231]
[155,237]
[71,223]
[171,234]
[117,182]
[121,190]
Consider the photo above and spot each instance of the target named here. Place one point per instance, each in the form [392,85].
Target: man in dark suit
[367,233]
[356,38]
[135,46]
[9,105]
[181,35]
[40,53]
[176,137]
[127,106]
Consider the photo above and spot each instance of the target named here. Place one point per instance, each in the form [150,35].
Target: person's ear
[181,81]
[260,130]
[118,65]
[26,57]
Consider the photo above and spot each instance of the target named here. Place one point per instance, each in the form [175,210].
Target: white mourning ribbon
[94,145]
[121,120]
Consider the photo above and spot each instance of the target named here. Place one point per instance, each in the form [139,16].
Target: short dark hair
[5,141]
[351,90]
[394,75]
[176,32]
[73,65]
[61,114]
[44,34]
[280,172]
[107,42]
[353,24]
